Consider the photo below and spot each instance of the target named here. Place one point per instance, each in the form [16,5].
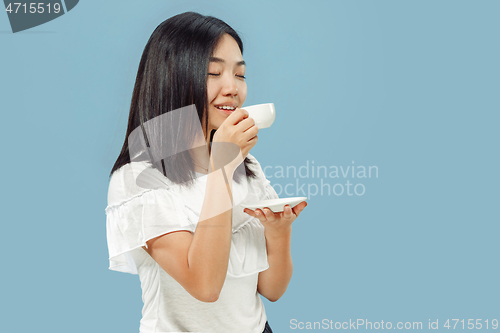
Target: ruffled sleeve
[269,191]
[136,214]
[144,205]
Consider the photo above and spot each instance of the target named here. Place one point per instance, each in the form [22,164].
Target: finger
[298,208]
[260,215]
[287,212]
[245,124]
[249,212]
[237,116]
[251,133]
[303,203]
[269,214]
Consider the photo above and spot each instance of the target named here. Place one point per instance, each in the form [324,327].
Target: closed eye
[242,76]
[213,74]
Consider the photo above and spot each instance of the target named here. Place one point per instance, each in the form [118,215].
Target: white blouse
[142,208]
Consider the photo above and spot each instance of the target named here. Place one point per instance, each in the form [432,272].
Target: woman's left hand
[279,220]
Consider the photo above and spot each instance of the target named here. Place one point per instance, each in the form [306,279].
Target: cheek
[242,91]
[212,90]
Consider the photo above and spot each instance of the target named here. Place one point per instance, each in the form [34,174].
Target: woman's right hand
[238,133]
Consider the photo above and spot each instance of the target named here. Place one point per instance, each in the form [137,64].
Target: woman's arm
[199,261]
[274,281]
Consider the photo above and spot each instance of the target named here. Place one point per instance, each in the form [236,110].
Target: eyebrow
[215,59]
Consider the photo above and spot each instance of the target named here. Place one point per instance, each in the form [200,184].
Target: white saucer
[276,205]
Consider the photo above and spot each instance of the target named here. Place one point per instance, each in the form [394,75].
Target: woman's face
[226,84]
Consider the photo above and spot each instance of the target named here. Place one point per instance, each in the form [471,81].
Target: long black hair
[173,74]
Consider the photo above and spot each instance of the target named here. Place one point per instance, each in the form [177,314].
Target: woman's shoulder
[134,179]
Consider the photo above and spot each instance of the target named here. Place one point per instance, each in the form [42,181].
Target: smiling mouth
[226,108]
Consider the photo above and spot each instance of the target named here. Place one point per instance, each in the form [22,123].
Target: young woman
[175,197]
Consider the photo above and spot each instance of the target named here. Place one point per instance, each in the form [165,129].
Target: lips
[225,112]
[227,107]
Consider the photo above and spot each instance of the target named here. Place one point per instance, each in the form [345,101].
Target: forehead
[227,51]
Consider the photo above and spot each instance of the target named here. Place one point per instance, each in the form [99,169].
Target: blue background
[411,87]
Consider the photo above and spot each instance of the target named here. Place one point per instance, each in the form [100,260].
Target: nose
[229,87]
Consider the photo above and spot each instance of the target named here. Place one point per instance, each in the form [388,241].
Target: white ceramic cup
[263,114]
